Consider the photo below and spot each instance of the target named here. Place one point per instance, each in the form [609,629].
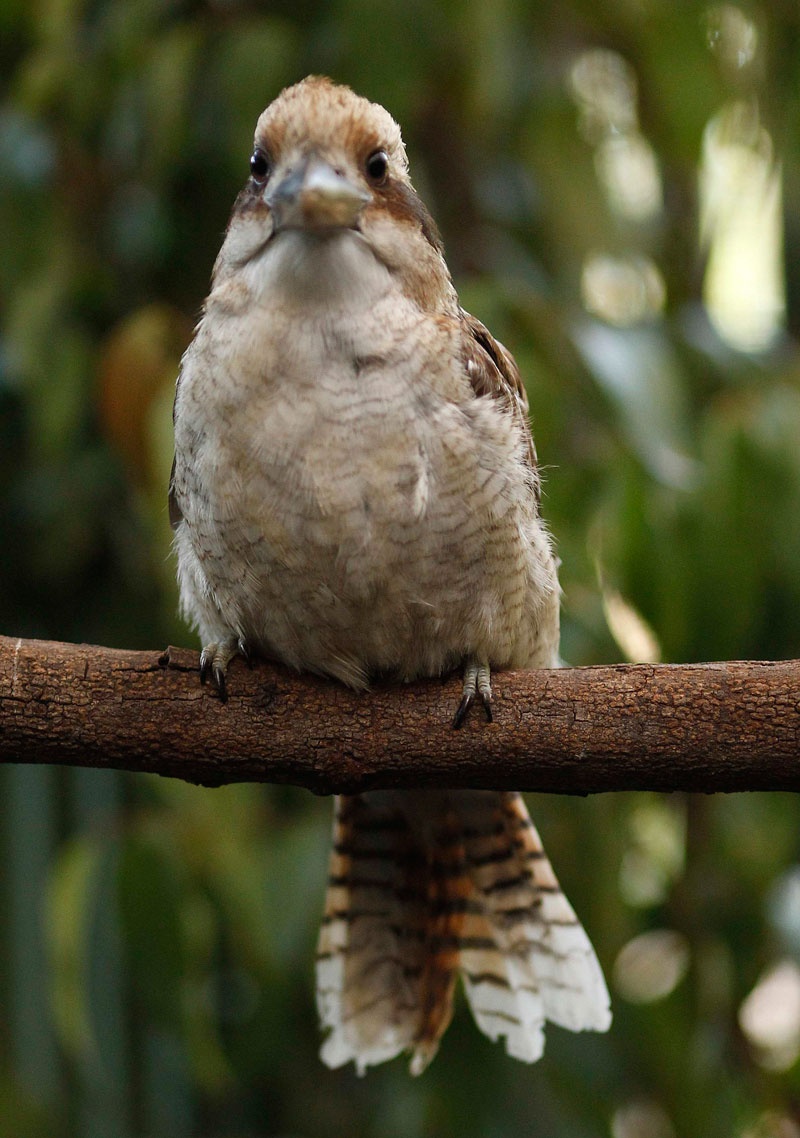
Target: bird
[355,493]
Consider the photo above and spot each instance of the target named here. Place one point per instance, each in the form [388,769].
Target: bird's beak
[317,197]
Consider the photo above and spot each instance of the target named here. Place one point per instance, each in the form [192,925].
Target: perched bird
[355,493]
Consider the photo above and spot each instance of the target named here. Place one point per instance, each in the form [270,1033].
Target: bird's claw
[214,661]
[477,681]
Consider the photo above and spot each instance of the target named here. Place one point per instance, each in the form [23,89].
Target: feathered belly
[400,542]
[376,585]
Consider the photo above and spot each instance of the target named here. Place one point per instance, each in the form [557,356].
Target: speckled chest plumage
[349,505]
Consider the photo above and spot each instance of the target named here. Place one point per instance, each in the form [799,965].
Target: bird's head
[325,162]
[321,154]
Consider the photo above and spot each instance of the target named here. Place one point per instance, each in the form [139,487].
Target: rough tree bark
[701,727]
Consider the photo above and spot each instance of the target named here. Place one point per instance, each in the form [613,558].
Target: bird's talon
[219,681]
[214,660]
[463,708]
[483,684]
[476,682]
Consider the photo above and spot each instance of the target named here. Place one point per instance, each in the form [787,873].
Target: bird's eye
[259,166]
[377,167]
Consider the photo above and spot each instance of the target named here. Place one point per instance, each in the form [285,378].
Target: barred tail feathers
[542,966]
[425,886]
[387,960]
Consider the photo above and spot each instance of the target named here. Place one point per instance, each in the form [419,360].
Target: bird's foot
[477,679]
[214,660]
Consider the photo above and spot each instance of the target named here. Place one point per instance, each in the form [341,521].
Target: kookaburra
[355,493]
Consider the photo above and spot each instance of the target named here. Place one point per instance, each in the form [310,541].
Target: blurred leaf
[149,908]
[168,84]
[69,907]
[295,881]
[21,1114]
[140,362]
[252,60]
[638,371]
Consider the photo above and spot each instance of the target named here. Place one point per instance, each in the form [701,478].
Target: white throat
[335,269]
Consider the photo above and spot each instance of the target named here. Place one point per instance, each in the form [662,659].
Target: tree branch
[698,727]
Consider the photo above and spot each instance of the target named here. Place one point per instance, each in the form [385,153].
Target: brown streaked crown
[319,115]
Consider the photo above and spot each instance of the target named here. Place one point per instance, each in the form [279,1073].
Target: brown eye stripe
[403,204]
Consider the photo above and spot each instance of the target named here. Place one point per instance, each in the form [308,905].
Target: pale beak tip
[317,196]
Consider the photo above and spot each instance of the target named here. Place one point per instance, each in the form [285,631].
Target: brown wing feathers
[493,372]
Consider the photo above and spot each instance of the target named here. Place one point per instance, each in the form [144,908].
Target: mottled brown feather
[493,372]
[449,890]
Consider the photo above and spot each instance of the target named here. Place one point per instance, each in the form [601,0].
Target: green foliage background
[156,940]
